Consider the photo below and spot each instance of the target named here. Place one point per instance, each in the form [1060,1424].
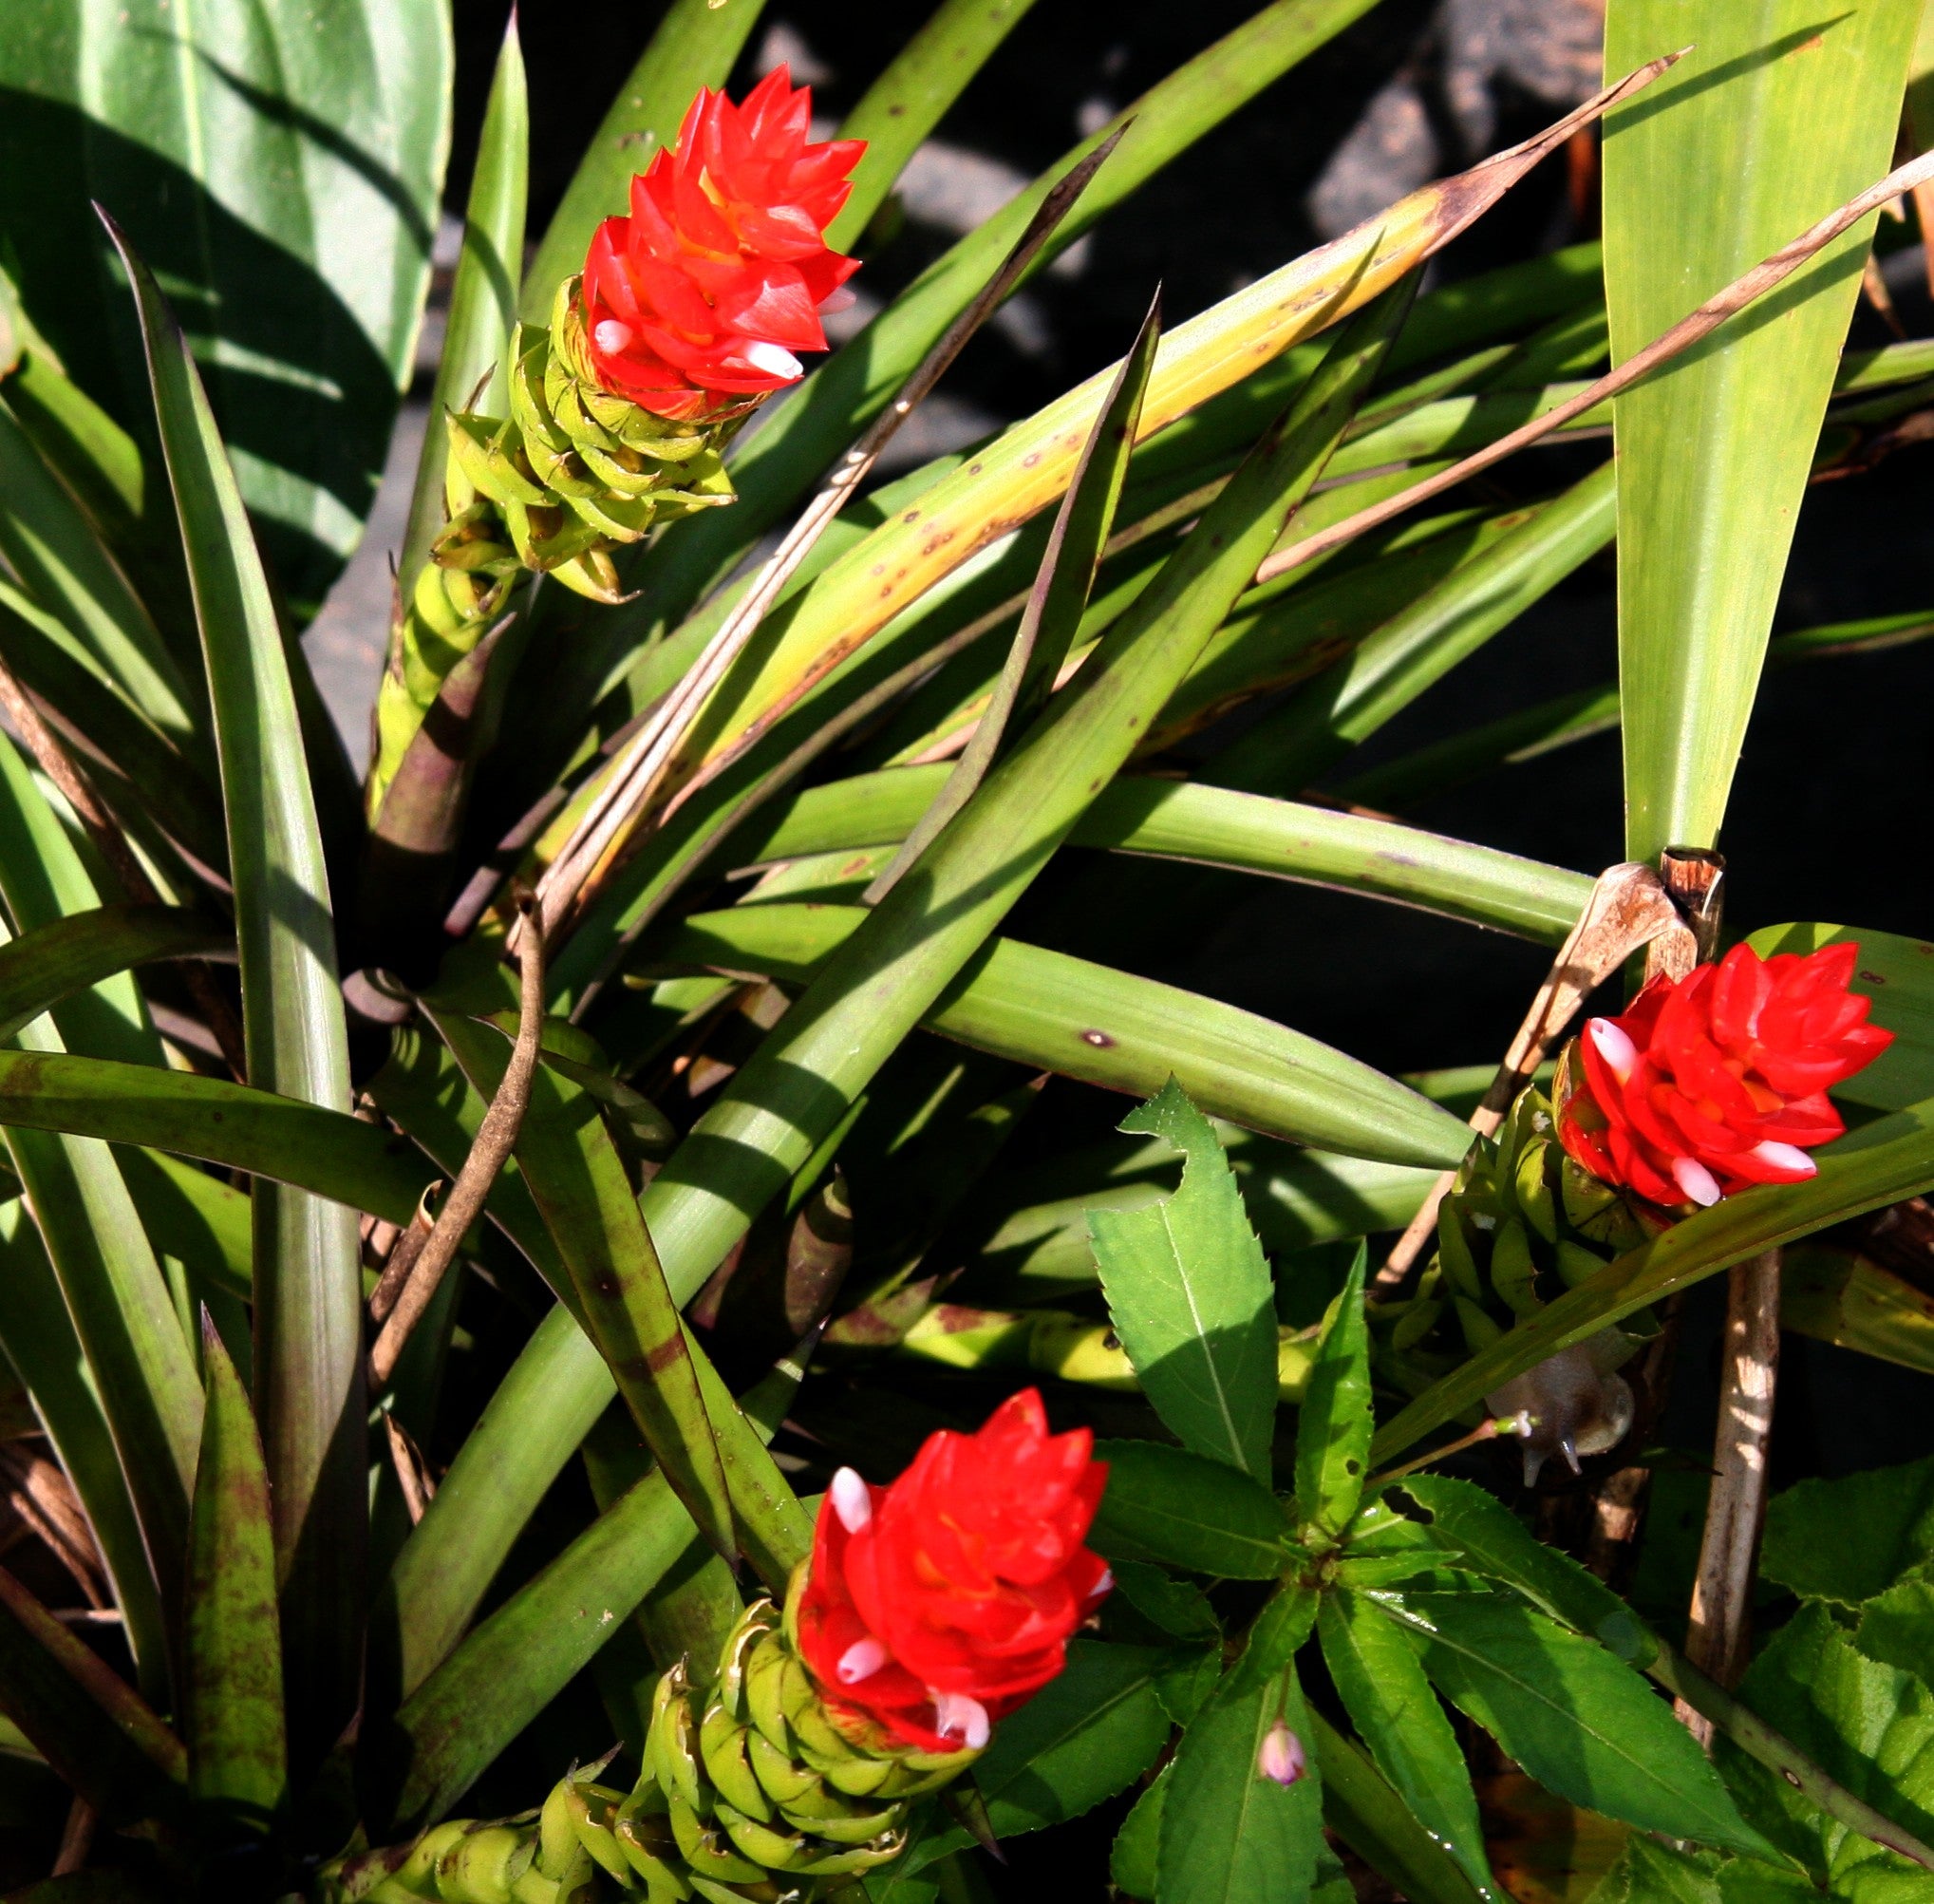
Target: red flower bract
[1718,1081]
[941,1603]
[716,277]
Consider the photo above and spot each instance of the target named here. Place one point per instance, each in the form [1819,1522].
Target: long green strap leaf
[695,45]
[1214,826]
[37,1334]
[1056,1012]
[890,974]
[483,294]
[1779,112]
[308,1279]
[232,1652]
[911,96]
[49,964]
[779,466]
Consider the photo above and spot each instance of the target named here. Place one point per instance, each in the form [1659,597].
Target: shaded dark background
[1837,778]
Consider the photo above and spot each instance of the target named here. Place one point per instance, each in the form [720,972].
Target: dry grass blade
[1629,907]
[43,1502]
[1033,463]
[101,828]
[495,1137]
[413,1475]
[1055,600]
[1686,332]
[636,777]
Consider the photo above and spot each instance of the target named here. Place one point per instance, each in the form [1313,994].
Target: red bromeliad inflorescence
[937,1605]
[1718,1081]
[720,274]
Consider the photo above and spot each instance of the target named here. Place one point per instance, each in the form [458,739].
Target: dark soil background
[1837,780]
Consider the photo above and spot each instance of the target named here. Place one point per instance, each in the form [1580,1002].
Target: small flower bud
[1281,1757]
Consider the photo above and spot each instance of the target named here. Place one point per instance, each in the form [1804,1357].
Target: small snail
[1572,1404]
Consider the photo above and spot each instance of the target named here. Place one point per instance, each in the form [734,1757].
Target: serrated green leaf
[1578,1720]
[1191,1297]
[1180,1510]
[1897,1627]
[1485,1536]
[1871,1726]
[1334,1424]
[1089,1733]
[232,1647]
[1132,1861]
[1230,1835]
[1384,1690]
[1850,1538]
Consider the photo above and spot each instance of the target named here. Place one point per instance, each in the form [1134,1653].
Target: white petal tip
[1104,1585]
[1785,1157]
[1699,1185]
[861,1660]
[1614,1044]
[842,300]
[774,359]
[956,1716]
[852,1502]
[607,333]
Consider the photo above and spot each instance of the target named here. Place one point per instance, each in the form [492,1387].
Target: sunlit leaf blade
[483,294]
[232,1647]
[281,167]
[1775,115]
[912,95]
[1870,1725]
[308,1279]
[1166,1505]
[49,966]
[1580,1721]
[580,1185]
[1839,1296]
[529,1430]
[1320,721]
[1229,1834]
[62,566]
[1055,1012]
[460,1717]
[508,1669]
[1218,826]
[1199,359]
[1333,1426]
[694,45]
[1361,1808]
[1053,615]
[1191,1297]
[1386,1695]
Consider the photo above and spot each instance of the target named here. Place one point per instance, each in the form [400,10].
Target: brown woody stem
[495,1137]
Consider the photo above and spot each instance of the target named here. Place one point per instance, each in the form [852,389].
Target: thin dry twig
[636,777]
[404,1251]
[495,1137]
[102,828]
[1687,332]
[1720,1626]
[412,1471]
[77,1839]
[43,1500]
[1629,907]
